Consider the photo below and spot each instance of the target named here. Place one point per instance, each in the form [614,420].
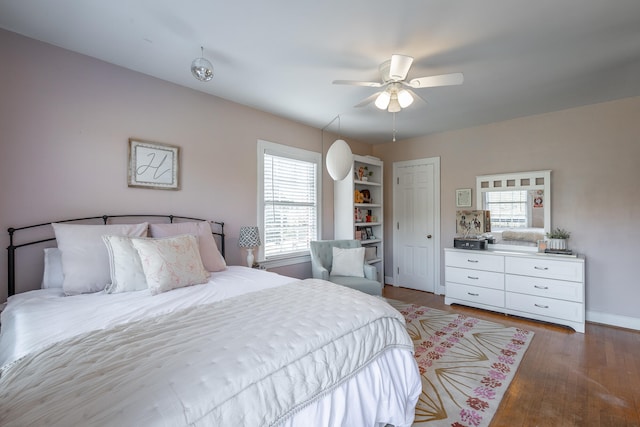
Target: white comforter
[267,358]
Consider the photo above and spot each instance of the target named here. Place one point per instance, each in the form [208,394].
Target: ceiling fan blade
[367,100]
[433,81]
[399,67]
[416,96]
[357,83]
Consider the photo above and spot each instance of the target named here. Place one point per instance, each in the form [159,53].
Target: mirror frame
[535,180]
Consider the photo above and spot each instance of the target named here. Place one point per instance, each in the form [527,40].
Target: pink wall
[594,155]
[65,121]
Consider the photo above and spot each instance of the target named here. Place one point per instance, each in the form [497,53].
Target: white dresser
[528,284]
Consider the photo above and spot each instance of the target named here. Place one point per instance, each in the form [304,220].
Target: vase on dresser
[557,244]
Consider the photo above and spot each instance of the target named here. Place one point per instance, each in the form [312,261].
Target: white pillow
[85,260]
[52,276]
[212,259]
[348,262]
[171,262]
[124,265]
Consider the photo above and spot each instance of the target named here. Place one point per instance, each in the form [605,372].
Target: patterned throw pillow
[171,262]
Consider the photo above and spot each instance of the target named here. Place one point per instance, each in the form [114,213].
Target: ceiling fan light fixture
[404,98]
[382,101]
[394,105]
[201,68]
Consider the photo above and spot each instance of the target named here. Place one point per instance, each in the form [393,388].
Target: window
[508,209]
[288,201]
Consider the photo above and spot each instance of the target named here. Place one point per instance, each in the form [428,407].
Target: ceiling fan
[397,93]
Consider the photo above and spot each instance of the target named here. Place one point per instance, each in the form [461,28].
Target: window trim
[266,147]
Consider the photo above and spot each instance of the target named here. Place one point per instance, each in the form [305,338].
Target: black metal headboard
[11,249]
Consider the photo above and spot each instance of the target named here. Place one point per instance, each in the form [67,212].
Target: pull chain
[394,127]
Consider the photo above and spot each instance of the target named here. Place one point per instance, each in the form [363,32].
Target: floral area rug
[466,365]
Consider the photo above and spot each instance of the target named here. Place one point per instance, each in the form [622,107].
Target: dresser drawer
[548,268]
[475,260]
[548,307]
[486,279]
[572,291]
[475,294]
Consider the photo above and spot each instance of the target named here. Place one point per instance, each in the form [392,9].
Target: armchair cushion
[348,262]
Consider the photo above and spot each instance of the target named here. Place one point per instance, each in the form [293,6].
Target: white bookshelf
[346,223]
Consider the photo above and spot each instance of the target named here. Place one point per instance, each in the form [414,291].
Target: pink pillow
[211,257]
[171,262]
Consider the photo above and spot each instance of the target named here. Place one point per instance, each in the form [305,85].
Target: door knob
[428,236]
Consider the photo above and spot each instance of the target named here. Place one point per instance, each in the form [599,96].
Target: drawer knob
[540,287]
[473,295]
[472,260]
[541,268]
[472,278]
[541,306]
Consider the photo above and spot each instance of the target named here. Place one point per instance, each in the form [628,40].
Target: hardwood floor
[566,379]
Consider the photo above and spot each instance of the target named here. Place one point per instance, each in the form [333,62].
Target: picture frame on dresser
[153,165]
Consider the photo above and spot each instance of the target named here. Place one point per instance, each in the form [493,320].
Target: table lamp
[249,239]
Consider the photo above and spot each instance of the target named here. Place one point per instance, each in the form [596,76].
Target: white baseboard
[613,320]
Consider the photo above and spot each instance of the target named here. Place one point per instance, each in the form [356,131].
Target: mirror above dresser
[520,206]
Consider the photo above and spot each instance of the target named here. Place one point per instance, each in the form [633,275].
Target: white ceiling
[519,57]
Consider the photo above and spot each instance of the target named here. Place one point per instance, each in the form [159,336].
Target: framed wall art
[463,198]
[153,165]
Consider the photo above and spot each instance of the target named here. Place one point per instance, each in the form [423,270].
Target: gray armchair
[322,260]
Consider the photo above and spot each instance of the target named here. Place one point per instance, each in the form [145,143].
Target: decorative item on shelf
[369,233]
[358,197]
[357,217]
[249,239]
[366,196]
[363,173]
[201,68]
[359,234]
[557,240]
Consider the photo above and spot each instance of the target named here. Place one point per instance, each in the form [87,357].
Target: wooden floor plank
[566,379]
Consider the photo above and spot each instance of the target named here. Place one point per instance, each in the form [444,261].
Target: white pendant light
[382,101]
[339,160]
[201,68]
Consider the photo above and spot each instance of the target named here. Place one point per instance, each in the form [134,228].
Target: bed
[245,347]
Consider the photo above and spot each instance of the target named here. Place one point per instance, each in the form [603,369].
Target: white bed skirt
[384,392]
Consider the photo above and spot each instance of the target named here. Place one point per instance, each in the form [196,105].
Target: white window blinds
[289,201]
[508,209]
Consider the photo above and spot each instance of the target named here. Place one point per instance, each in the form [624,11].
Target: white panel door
[416,224]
